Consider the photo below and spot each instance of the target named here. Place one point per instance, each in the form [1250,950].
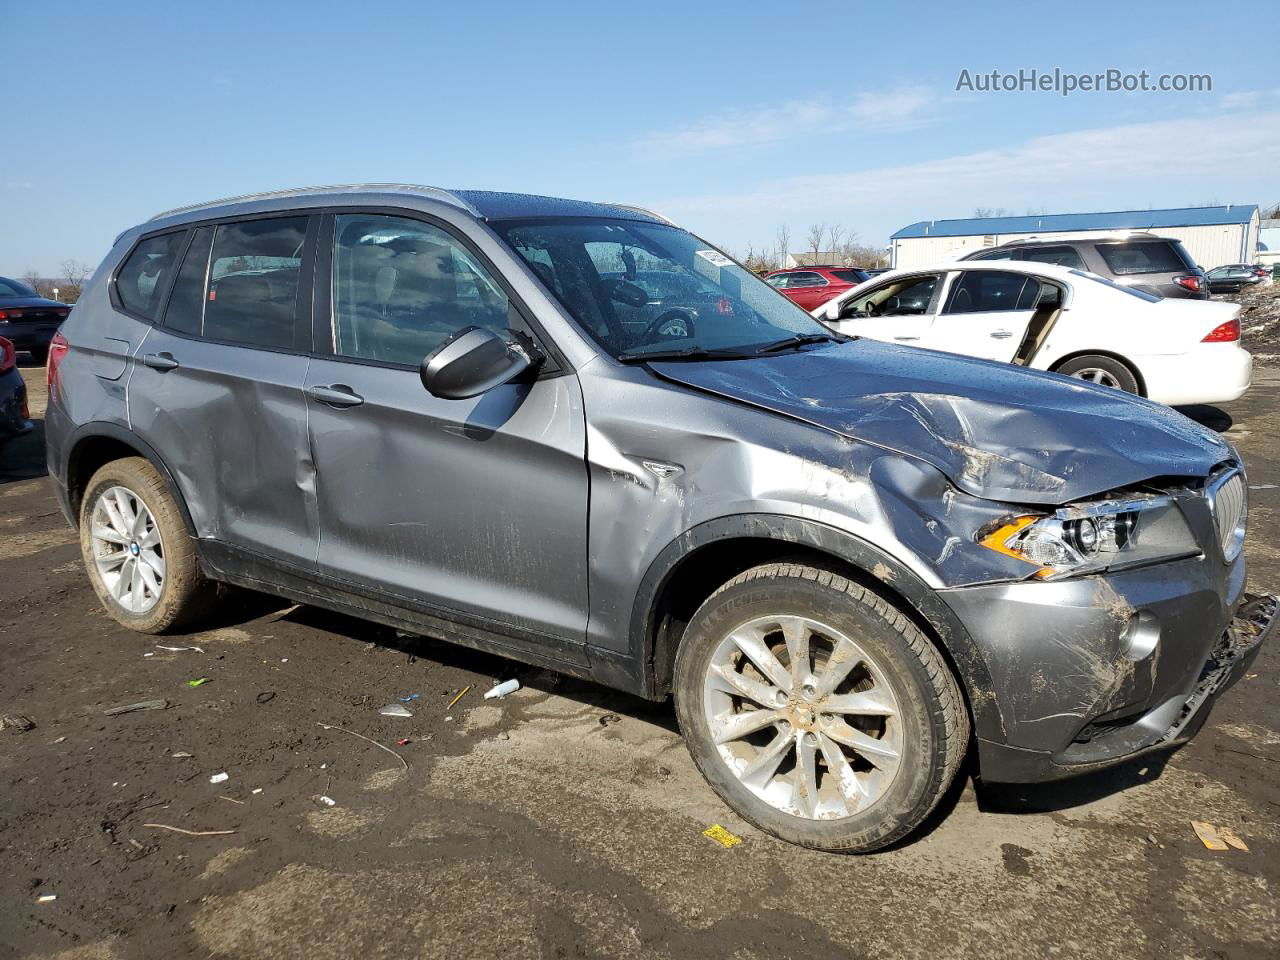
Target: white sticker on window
[715,258]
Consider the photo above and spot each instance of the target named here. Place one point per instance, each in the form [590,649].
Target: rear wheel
[139,557]
[40,355]
[816,710]
[1104,371]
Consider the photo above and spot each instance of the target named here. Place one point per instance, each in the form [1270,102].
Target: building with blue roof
[1212,235]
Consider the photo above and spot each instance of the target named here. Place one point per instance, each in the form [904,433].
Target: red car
[811,287]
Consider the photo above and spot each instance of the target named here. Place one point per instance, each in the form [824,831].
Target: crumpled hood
[997,431]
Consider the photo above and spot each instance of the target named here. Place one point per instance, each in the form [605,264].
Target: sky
[731,118]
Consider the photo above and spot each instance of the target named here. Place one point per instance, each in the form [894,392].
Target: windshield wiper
[799,340]
[688,353]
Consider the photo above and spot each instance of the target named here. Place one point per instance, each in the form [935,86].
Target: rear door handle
[160,361]
[335,395]
[1002,335]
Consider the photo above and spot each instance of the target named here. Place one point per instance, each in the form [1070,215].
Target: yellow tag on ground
[1208,835]
[726,839]
[1230,838]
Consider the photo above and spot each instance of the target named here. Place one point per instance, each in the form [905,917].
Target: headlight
[1085,538]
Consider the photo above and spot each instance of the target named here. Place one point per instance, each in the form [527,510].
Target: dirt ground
[563,821]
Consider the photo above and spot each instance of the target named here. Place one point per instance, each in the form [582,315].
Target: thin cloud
[901,108]
[1132,160]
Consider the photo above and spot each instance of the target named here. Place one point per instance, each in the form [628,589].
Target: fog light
[1141,635]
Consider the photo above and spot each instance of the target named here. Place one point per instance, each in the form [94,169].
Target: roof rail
[650,213]
[1076,235]
[435,193]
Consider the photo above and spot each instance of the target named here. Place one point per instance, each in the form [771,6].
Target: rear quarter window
[1126,259]
[849,276]
[143,277]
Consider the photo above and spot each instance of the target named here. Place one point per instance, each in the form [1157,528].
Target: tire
[184,594]
[40,355]
[929,725]
[1104,371]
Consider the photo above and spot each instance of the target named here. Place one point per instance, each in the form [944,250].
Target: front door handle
[906,338]
[1002,335]
[335,395]
[160,361]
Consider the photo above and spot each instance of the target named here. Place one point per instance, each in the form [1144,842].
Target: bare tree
[74,274]
[31,278]
[985,213]
[835,238]
[816,232]
[784,244]
[863,255]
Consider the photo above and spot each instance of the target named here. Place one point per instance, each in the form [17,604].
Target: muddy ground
[564,821]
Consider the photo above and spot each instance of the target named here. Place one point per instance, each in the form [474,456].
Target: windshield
[12,288]
[643,288]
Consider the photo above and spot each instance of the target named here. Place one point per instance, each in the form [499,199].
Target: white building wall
[1209,246]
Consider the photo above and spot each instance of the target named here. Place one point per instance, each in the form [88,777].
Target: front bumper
[1168,723]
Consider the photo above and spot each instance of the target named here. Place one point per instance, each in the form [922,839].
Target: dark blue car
[28,320]
[14,419]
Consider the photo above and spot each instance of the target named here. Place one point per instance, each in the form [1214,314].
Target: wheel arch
[691,567]
[1110,355]
[95,444]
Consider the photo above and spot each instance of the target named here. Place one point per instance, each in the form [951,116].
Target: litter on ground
[722,836]
[1217,838]
[395,710]
[219,777]
[501,690]
[198,682]
[140,705]
[461,693]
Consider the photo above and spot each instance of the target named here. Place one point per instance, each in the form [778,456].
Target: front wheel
[136,549]
[816,710]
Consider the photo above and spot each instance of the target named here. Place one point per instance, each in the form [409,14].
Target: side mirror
[833,311]
[473,361]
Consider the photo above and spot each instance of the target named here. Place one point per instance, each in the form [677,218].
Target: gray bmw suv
[577,435]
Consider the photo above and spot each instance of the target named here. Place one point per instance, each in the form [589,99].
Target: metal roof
[1067,222]
[482,204]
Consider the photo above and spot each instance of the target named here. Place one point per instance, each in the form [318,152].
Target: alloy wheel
[1103,378]
[803,717]
[127,549]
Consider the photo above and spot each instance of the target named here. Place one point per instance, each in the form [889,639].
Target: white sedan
[1055,318]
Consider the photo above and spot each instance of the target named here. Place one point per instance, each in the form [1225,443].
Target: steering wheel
[677,318]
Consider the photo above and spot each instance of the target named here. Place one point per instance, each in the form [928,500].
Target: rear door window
[141,281]
[1126,259]
[1062,256]
[806,279]
[253,287]
[992,291]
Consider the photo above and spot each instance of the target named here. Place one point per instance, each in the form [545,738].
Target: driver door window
[402,287]
[899,311]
